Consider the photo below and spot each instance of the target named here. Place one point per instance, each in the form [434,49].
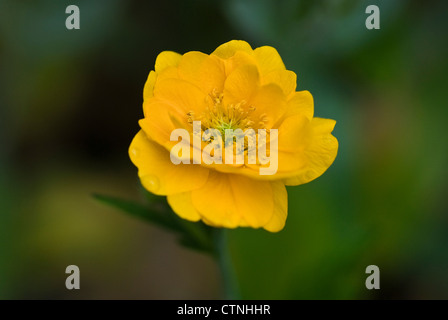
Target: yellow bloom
[235,87]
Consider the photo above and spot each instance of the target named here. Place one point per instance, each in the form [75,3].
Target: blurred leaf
[149,214]
[193,235]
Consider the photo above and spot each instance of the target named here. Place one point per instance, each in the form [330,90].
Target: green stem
[222,254]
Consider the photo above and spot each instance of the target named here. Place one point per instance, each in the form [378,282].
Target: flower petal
[204,71]
[182,205]
[156,171]
[241,84]
[228,49]
[168,73]
[301,102]
[254,199]
[167,110]
[226,199]
[158,126]
[167,59]
[268,59]
[294,133]
[285,79]
[180,95]
[269,102]
[278,219]
[319,154]
[239,59]
[148,90]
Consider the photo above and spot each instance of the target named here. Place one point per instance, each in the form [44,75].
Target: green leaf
[193,235]
[154,214]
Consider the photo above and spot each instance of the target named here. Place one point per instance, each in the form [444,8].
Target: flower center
[221,117]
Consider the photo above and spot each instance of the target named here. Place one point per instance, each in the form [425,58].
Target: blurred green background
[69,105]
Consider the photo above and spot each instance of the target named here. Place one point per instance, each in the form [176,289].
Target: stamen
[232,116]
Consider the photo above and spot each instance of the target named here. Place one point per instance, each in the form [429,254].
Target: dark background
[69,106]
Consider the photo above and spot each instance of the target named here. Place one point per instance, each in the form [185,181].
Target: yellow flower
[235,87]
